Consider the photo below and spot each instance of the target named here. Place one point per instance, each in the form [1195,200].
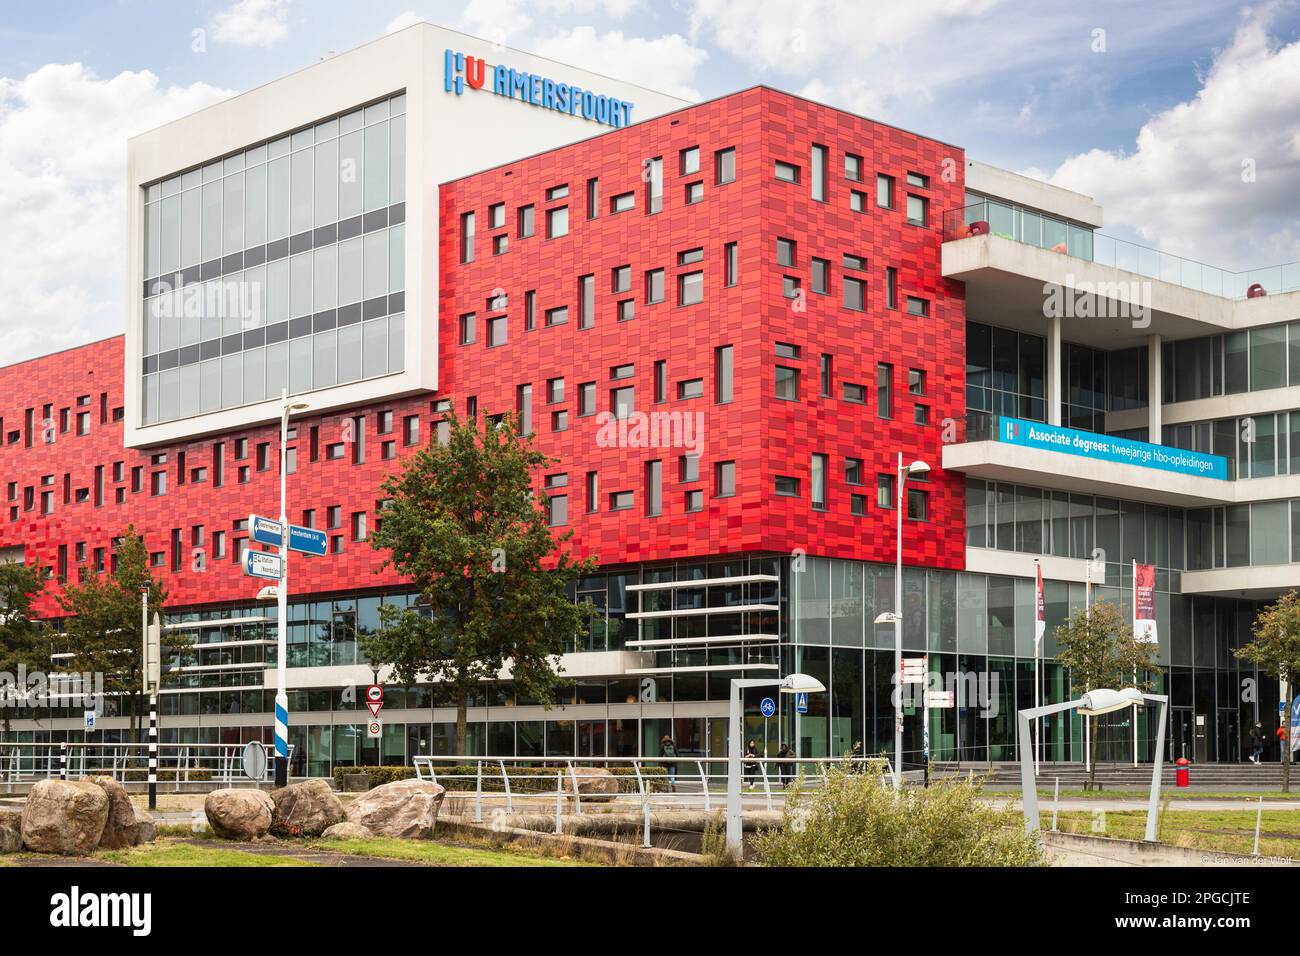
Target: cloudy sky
[1182,117]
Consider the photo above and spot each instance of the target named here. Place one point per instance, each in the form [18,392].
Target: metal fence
[23,762]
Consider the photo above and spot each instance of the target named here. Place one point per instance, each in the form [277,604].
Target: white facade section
[448,135]
[1025,191]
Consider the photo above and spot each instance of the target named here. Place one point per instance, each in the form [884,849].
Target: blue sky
[1152,108]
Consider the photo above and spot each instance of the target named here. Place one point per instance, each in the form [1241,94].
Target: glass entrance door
[1229,749]
[1180,733]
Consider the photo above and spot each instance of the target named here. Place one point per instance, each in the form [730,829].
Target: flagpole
[1087,613]
[1135,673]
[1038,641]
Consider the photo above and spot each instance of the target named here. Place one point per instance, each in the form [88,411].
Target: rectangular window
[921,414]
[586,301]
[690,161]
[821,275]
[525,220]
[818,164]
[411,430]
[787,172]
[497,216]
[853,167]
[884,191]
[557,510]
[593,198]
[731,256]
[654,488]
[694,500]
[654,185]
[468,328]
[819,482]
[787,383]
[524,408]
[694,193]
[916,179]
[622,401]
[530,310]
[918,210]
[593,492]
[916,381]
[617,372]
[621,501]
[857,394]
[827,374]
[885,491]
[885,390]
[557,192]
[498,331]
[790,286]
[554,391]
[627,310]
[724,479]
[724,165]
[690,388]
[857,200]
[623,202]
[688,257]
[654,286]
[467,237]
[557,316]
[855,294]
[688,468]
[500,245]
[560,420]
[586,399]
[853,471]
[621,279]
[858,505]
[786,486]
[918,504]
[722,374]
[690,288]
[557,222]
[661,381]
[918,306]
[891,287]
[785,252]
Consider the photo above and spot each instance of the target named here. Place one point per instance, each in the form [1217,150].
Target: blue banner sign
[264,530]
[307,540]
[263,564]
[1124,451]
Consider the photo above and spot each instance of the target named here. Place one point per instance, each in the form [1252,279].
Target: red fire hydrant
[1182,775]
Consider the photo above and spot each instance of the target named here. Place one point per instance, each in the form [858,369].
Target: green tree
[24,642]
[462,524]
[103,627]
[1098,648]
[1276,650]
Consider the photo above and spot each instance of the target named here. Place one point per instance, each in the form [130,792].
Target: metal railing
[685,783]
[1034,228]
[178,763]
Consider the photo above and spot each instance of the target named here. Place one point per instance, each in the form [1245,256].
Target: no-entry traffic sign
[374,699]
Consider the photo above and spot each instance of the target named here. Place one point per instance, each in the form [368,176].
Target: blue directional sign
[262,564]
[768,707]
[801,702]
[264,530]
[307,540]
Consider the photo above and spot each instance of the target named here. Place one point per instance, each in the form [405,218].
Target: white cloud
[63,135]
[1181,187]
[403,20]
[506,21]
[260,23]
[667,63]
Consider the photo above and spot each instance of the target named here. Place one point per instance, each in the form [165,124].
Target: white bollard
[559,795]
[1259,813]
[1056,803]
[645,835]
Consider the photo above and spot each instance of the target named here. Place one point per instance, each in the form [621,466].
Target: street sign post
[307,540]
[375,729]
[264,530]
[90,721]
[801,702]
[939,698]
[767,708]
[375,699]
[254,760]
[263,564]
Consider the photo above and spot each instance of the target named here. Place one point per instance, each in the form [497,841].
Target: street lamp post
[791,684]
[282,604]
[895,617]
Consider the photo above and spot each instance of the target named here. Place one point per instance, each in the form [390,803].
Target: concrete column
[1054,370]
[1155,388]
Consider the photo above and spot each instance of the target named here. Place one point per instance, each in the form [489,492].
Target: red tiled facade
[764,436]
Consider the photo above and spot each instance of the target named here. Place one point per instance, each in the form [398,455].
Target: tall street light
[282,604]
[895,617]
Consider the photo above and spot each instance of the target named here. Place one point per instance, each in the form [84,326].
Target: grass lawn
[168,853]
[435,853]
[1232,831]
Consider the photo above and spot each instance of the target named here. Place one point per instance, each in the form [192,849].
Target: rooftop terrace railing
[990,217]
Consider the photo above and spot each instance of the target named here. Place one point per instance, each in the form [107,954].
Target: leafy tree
[462,524]
[23,641]
[1098,647]
[103,629]
[1276,651]
[856,820]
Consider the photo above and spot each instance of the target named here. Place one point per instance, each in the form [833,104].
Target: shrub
[855,820]
[194,776]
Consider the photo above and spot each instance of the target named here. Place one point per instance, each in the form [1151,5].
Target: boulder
[348,831]
[65,817]
[239,814]
[11,831]
[406,809]
[122,828]
[594,783]
[146,829]
[306,809]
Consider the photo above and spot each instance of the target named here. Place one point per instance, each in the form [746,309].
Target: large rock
[122,829]
[239,814]
[305,809]
[11,831]
[406,808]
[146,829]
[65,817]
[348,831]
[594,783]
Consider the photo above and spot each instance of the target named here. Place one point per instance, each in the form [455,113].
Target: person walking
[1256,742]
[668,749]
[751,765]
[785,754]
